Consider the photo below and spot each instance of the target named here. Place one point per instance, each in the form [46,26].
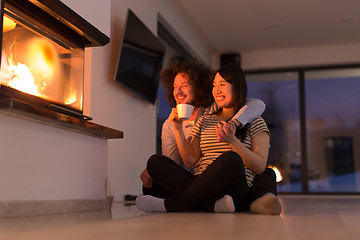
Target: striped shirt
[210,146]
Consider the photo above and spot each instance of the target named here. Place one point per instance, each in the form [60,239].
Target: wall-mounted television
[140,61]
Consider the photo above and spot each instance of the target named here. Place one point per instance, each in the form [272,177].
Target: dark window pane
[333,130]
[280,92]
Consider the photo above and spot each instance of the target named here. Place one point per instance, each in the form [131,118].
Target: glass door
[280,92]
[332,100]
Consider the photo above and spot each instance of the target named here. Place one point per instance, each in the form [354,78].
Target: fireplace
[42,63]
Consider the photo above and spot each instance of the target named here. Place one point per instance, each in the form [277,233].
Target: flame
[43,65]
[44,58]
[39,75]
[279,178]
[71,99]
[8,24]
[20,77]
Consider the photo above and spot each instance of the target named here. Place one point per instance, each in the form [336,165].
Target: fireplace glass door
[37,63]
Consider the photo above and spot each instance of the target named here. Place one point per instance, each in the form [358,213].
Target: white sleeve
[252,109]
[168,142]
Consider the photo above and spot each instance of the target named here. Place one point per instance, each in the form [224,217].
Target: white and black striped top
[210,146]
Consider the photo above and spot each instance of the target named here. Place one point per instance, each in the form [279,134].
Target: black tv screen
[140,60]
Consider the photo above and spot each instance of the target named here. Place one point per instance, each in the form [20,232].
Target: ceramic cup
[184,111]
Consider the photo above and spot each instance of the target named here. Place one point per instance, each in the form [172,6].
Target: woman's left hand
[225,132]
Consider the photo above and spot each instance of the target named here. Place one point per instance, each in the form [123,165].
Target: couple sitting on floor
[216,160]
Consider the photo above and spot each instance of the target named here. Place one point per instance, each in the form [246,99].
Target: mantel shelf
[46,116]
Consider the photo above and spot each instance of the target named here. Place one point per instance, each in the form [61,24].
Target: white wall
[301,56]
[40,162]
[127,157]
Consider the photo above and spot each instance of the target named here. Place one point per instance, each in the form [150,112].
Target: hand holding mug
[174,119]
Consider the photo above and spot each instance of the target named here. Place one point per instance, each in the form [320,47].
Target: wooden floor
[303,217]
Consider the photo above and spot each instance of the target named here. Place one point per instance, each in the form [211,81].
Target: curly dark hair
[199,76]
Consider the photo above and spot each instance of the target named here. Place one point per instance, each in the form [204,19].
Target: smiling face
[222,92]
[183,90]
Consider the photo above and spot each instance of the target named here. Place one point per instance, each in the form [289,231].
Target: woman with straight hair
[227,168]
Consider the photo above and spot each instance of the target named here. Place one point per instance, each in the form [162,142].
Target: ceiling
[244,25]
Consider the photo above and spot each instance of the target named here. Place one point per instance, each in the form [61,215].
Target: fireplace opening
[34,64]
[42,54]
[42,47]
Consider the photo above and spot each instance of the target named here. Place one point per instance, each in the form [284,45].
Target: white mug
[184,111]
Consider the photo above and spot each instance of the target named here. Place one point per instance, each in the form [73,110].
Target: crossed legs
[225,176]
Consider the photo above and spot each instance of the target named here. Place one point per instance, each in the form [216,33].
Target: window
[332,99]
[280,92]
[314,119]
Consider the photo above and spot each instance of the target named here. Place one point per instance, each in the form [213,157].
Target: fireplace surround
[42,64]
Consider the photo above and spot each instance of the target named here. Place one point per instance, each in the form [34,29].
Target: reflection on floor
[303,217]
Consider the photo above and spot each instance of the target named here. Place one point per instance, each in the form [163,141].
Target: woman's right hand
[174,119]
[225,131]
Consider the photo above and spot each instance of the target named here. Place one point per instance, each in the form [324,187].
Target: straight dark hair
[235,75]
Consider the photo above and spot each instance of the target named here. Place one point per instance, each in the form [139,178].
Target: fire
[279,178]
[19,77]
[44,59]
[34,77]
[8,24]
[36,65]
[71,99]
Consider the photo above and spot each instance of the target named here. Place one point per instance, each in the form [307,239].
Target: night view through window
[280,92]
[333,130]
[332,103]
